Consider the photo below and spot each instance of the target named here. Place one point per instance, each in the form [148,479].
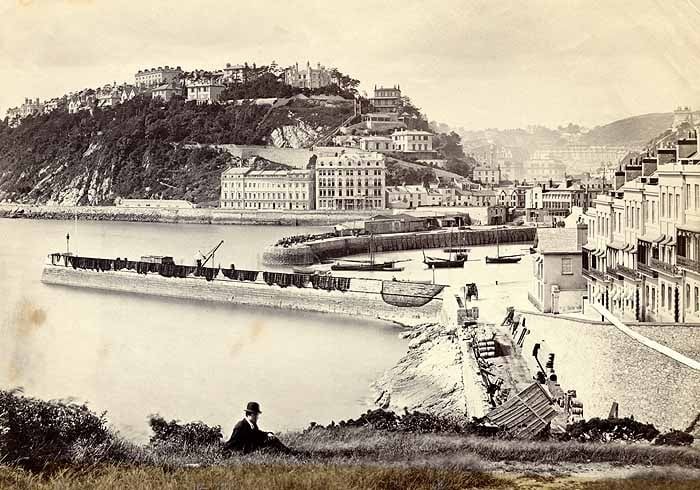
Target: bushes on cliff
[606,430]
[411,422]
[674,438]
[37,434]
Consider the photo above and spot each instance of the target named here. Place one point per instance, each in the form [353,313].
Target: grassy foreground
[362,458]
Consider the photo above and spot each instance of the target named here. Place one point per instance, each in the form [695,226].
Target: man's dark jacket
[245,438]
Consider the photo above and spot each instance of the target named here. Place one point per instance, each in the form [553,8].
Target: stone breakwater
[331,248]
[363,299]
[186,216]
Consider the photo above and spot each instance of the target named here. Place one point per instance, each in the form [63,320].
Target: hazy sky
[471,63]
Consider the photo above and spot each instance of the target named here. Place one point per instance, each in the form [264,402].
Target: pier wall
[604,365]
[343,246]
[362,300]
[187,216]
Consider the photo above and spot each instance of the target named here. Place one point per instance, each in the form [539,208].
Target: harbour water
[133,355]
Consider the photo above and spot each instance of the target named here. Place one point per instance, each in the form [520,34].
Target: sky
[474,64]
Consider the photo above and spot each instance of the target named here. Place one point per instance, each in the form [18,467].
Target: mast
[498,247]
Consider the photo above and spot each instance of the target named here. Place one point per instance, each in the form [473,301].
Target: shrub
[37,434]
[674,438]
[186,436]
[410,422]
[605,430]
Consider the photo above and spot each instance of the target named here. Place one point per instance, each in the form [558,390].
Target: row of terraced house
[642,257]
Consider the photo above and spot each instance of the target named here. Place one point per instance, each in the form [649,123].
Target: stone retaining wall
[363,299]
[343,246]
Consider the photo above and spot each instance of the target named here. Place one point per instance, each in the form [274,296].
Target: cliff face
[136,150]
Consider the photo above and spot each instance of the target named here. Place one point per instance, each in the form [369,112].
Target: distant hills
[633,131]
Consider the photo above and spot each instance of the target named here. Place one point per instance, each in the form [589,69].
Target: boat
[502,259]
[368,265]
[446,263]
[457,250]
[409,294]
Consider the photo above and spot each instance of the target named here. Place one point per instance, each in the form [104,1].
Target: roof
[526,413]
[557,240]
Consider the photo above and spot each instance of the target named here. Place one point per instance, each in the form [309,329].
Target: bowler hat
[252,407]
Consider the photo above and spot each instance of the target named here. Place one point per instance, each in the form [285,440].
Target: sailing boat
[502,259]
[368,265]
[448,263]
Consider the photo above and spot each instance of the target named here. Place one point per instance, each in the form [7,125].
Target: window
[566,266]
[668,290]
[678,204]
[696,195]
[687,296]
[697,299]
[662,211]
[663,295]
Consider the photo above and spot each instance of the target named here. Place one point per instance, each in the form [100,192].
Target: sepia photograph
[365,244]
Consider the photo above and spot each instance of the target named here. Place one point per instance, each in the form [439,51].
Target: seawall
[188,216]
[331,248]
[363,299]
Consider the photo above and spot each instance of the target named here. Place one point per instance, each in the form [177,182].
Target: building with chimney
[412,141]
[204,90]
[309,77]
[642,258]
[386,99]
[558,283]
[153,77]
[487,175]
[682,115]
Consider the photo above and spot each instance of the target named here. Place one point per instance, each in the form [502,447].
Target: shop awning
[660,239]
[669,240]
[651,238]
[616,245]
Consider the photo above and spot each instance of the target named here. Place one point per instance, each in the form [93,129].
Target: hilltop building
[386,99]
[204,90]
[682,115]
[166,91]
[153,77]
[307,77]
[245,188]
[350,180]
[412,141]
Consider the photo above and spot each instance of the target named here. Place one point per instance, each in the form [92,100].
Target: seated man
[246,437]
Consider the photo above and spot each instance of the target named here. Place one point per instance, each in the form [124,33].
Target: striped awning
[669,240]
[616,245]
[650,238]
[601,253]
[660,239]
